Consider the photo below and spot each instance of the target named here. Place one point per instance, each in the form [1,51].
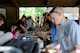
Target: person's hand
[26,32]
[48,46]
[74,51]
[48,35]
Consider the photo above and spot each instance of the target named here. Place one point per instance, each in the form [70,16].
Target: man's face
[55,18]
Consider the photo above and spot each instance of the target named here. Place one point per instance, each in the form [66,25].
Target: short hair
[37,17]
[29,17]
[44,13]
[23,16]
[17,29]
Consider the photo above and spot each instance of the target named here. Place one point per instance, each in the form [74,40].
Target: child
[13,28]
[17,31]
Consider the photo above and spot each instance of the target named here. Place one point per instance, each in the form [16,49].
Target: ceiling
[40,2]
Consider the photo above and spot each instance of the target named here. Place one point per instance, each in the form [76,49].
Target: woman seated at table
[21,24]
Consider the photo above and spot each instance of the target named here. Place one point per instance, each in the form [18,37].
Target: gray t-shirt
[67,34]
[78,37]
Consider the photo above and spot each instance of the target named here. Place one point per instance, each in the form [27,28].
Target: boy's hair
[17,29]
[44,13]
[29,17]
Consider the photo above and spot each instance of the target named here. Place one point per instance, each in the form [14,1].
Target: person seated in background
[3,26]
[22,24]
[52,30]
[16,33]
[37,21]
[13,27]
[47,20]
[42,20]
[29,23]
[2,29]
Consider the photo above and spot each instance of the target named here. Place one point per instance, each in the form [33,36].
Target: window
[69,12]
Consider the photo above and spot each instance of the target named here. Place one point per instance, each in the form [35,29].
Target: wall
[11,14]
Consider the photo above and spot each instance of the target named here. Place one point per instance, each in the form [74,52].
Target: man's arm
[76,50]
[53,44]
[76,35]
[77,47]
[24,29]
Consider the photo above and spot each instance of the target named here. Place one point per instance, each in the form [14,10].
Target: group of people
[63,32]
[24,25]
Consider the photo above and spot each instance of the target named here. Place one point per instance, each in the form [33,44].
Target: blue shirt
[53,33]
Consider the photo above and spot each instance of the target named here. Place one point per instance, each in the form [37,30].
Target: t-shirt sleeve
[74,33]
[78,36]
[57,33]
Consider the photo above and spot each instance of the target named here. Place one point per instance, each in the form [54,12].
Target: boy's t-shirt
[53,33]
[68,35]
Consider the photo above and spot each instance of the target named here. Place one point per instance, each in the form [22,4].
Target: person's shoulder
[79,26]
[72,22]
